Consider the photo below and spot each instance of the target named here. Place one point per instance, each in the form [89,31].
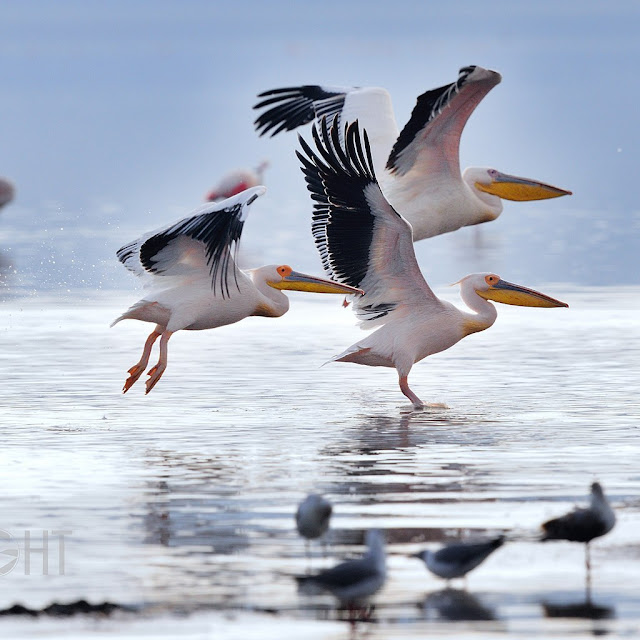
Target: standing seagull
[312,516]
[365,243]
[583,525]
[237,181]
[196,283]
[355,581]
[418,168]
[456,560]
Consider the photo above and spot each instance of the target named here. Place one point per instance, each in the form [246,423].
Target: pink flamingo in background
[237,181]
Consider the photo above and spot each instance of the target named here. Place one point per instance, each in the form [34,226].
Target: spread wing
[292,107]
[360,237]
[204,244]
[431,137]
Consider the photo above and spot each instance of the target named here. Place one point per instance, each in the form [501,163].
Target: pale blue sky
[117,117]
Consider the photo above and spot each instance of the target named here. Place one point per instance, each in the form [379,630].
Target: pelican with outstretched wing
[195,283]
[418,168]
[363,242]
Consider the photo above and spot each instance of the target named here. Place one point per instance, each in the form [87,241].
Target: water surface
[183,500]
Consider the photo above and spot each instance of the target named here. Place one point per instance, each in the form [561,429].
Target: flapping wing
[361,239]
[205,242]
[431,137]
[292,107]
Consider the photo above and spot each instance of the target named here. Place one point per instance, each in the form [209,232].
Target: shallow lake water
[180,503]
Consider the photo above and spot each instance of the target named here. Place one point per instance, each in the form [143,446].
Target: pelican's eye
[284,270]
[491,280]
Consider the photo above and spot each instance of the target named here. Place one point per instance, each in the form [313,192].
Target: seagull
[418,168]
[583,525]
[456,560]
[7,192]
[353,582]
[365,243]
[237,181]
[195,283]
[312,516]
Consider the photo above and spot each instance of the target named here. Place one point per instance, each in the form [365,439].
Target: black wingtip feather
[220,233]
[293,107]
[337,174]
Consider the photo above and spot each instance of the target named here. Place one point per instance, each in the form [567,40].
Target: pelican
[583,525]
[365,243]
[236,181]
[456,560]
[418,168]
[196,284]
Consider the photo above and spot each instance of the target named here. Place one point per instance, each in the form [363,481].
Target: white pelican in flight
[196,284]
[365,243]
[236,181]
[419,168]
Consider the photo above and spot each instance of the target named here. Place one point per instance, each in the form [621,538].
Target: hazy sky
[117,117]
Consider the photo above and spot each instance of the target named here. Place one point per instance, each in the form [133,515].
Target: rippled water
[183,500]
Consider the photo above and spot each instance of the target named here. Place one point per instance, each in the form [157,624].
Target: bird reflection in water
[185,501]
[455,605]
[587,609]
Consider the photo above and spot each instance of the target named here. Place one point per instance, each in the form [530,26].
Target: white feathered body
[193,305]
[412,334]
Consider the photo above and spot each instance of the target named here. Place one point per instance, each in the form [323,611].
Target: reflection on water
[456,605]
[587,609]
[185,499]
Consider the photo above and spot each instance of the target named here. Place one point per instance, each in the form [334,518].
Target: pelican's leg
[136,371]
[155,373]
[404,387]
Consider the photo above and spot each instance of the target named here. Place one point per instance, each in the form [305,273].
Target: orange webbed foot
[155,373]
[135,372]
